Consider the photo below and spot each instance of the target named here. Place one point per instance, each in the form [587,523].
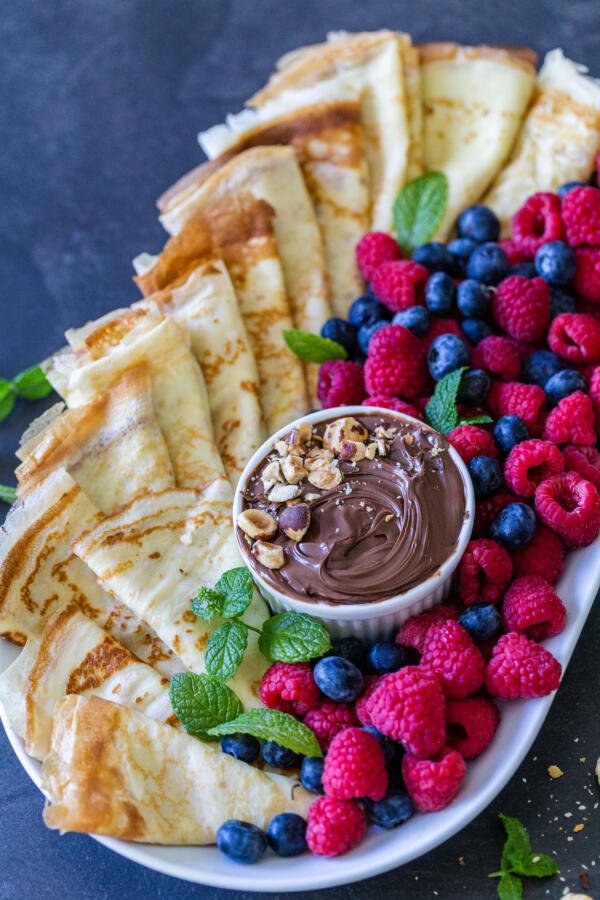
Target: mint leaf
[272,725]
[510,887]
[201,702]
[293,637]
[225,650]
[207,604]
[7,398]
[517,848]
[31,384]
[441,410]
[419,208]
[313,347]
[538,865]
[235,586]
[476,420]
[7,494]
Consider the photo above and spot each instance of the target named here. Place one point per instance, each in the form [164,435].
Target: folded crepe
[92,442]
[154,555]
[103,350]
[474,101]
[114,771]
[271,174]
[559,140]
[39,574]
[73,655]
[239,230]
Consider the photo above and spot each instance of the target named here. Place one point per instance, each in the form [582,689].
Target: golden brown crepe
[114,771]
[559,140]
[239,229]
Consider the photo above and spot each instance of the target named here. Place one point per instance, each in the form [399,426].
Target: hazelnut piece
[268,555]
[293,469]
[281,493]
[342,430]
[325,478]
[257,523]
[294,521]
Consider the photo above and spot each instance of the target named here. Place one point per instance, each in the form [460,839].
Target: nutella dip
[353,510]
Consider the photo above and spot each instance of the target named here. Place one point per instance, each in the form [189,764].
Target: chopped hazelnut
[341,430]
[293,469]
[268,555]
[325,478]
[294,521]
[256,523]
[281,493]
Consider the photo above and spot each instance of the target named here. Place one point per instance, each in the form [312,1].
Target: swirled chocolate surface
[389,525]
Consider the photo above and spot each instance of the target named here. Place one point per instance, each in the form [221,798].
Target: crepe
[74,656]
[103,350]
[114,771]
[474,101]
[91,442]
[559,141]
[39,573]
[239,230]
[156,553]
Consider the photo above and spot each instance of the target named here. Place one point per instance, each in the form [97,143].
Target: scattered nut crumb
[555,771]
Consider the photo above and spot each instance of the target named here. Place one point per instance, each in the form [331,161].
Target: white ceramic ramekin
[378,619]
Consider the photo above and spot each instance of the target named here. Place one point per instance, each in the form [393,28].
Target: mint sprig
[419,208]
[518,859]
[7,398]
[441,410]
[293,637]
[272,725]
[225,649]
[230,597]
[201,702]
[7,494]
[313,347]
[31,384]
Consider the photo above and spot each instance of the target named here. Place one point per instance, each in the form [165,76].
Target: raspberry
[594,378]
[499,356]
[522,307]
[581,215]
[334,826]
[439,327]
[515,399]
[396,363]
[289,687]
[585,461]
[532,608]
[521,668]
[400,284]
[572,421]
[340,383]
[470,441]
[451,654]
[483,572]
[513,254]
[576,337]
[408,706]
[374,249]
[543,555]
[587,273]
[486,509]
[355,767]
[414,630]
[362,714]
[471,725]
[328,718]
[537,222]
[531,462]
[433,783]
[569,505]
[394,403]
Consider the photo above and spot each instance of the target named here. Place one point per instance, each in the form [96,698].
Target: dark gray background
[101,103]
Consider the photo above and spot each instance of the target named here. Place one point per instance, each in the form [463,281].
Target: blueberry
[540,365]
[366,332]
[241,841]
[241,746]
[286,834]
[508,432]
[525,269]
[416,318]
[486,475]
[367,310]
[352,649]
[473,299]
[561,302]
[488,263]
[386,656]
[474,387]
[311,773]
[338,679]
[439,294]
[475,330]
[341,331]
[461,249]
[434,256]
[478,223]
[482,620]
[447,353]
[513,526]
[279,757]
[564,383]
[389,747]
[555,262]
[565,188]
[391,811]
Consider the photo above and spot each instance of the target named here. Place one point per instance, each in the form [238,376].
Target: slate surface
[101,102]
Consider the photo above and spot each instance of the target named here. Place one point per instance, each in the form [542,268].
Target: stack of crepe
[125,487]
